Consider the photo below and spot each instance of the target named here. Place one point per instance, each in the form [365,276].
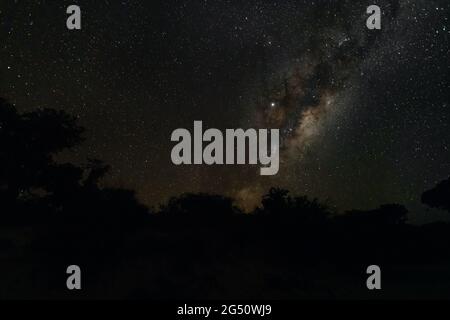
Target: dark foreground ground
[231,257]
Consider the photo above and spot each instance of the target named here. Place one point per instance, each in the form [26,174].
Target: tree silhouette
[201,205]
[385,215]
[32,181]
[278,202]
[29,141]
[439,196]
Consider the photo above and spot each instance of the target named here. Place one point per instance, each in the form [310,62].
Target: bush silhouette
[385,215]
[200,206]
[278,203]
[439,196]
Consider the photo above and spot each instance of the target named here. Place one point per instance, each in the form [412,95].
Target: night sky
[363,114]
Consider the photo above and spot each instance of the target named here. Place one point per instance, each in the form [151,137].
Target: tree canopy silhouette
[29,141]
[385,215]
[439,196]
[30,177]
[200,205]
[278,202]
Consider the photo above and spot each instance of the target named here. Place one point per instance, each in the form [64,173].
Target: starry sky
[363,114]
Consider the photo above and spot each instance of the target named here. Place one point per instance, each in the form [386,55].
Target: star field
[364,114]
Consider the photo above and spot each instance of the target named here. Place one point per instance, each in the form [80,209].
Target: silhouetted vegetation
[196,245]
[439,196]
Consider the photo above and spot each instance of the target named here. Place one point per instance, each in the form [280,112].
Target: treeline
[56,214]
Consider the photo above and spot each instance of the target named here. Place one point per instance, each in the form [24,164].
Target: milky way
[305,98]
[317,85]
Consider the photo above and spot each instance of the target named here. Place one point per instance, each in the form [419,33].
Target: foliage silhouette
[30,177]
[29,141]
[200,205]
[278,204]
[439,196]
[385,215]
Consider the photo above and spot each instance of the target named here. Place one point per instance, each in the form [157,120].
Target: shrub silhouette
[278,203]
[385,215]
[439,196]
[200,206]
